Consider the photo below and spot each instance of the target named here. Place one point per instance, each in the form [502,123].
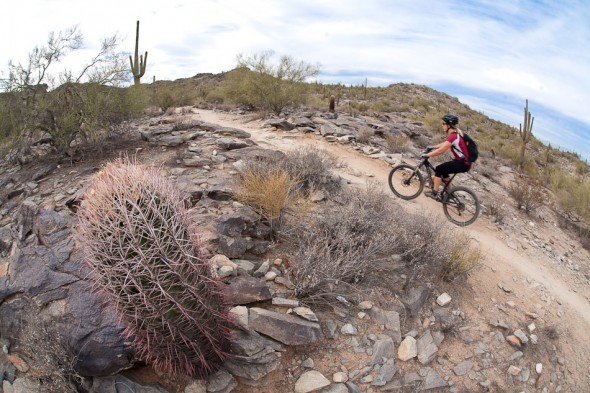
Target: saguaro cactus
[134,234]
[138,66]
[525,132]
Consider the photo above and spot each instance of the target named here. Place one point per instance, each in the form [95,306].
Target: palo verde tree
[272,86]
[37,99]
[526,132]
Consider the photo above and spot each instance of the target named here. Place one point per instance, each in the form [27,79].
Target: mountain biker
[459,164]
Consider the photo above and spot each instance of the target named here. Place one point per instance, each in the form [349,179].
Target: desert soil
[536,283]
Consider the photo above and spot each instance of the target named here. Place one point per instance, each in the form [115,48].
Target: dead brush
[364,134]
[48,354]
[462,258]
[497,210]
[339,245]
[397,143]
[313,167]
[527,193]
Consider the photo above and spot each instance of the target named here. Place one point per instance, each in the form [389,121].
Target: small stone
[281,302]
[443,299]
[514,341]
[269,276]
[308,363]
[365,305]
[408,349]
[340,377]
[516,355]
[522,336]
[305,313]
[349,329]
[513,370]
[225,271]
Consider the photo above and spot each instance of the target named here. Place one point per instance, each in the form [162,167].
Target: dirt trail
[523,272]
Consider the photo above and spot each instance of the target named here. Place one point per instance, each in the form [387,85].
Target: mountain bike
[460,204]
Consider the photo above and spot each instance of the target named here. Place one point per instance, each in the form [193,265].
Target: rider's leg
[436,185]
[441,172]
[447,181]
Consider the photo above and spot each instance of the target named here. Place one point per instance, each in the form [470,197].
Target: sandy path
[501,263]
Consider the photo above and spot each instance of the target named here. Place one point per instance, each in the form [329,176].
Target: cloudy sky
[491,54]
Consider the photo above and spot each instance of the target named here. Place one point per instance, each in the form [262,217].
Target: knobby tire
[398,184]
[461,206]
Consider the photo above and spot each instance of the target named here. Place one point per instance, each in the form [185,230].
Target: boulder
[287,329]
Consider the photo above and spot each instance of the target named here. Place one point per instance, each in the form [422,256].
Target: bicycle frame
[430,172]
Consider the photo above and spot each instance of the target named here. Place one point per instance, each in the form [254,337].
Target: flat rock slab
[246,289]
[311,381]
[287,329]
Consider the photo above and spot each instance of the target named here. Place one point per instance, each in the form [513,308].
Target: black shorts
[456,166]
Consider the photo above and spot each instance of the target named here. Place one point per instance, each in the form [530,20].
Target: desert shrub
[269,190]
[262,83]
[165,95]
[572,192]
[47,353]
[312,167]
[134,234]
[339,245]
[354,241]
[397,143]
[496,210]
[70,110]
[365,134]
[527,193]
[421,104]
[462,258]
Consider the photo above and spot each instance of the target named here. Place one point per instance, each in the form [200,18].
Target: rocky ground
[516,324]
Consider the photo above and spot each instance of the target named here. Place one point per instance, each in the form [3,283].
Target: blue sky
[492,55]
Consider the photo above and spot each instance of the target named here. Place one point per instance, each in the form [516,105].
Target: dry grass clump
[275,187]
[269,190]
[397,143]
[462,258]
[365,134]
[528,193]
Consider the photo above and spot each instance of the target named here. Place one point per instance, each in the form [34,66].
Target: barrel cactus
[134,234]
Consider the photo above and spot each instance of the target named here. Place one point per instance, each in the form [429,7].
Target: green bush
[270,86]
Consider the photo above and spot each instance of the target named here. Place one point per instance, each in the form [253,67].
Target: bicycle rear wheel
[461,206]
[406,181]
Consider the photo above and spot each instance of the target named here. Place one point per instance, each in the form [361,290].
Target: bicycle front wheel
[461,206]
[406,181]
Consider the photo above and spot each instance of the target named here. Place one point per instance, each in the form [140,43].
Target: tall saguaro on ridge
[138,66]
[526,132]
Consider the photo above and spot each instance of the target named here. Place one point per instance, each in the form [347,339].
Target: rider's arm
[440,149]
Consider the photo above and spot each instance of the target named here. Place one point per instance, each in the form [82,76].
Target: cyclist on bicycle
[459,164]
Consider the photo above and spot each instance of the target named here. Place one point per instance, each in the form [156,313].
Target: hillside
[533,276]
